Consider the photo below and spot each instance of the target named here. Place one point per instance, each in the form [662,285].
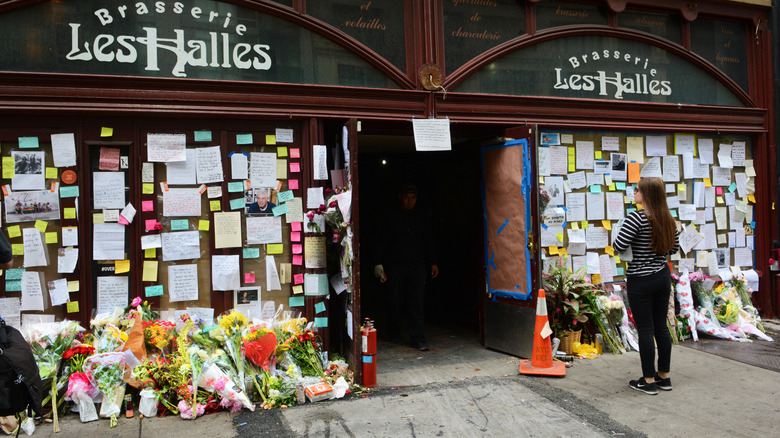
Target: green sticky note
[733,187]
[296,301]
[14,274]
[620,185]
[234,187]
[154,291]
[202,135]
[180,224]
[251,253]
[28,142]
[595,188]
[319,307]
[280,209]
[320,322]
[69,191]
[281,151]
[673,213]
[13,285]
[285,196]
[244,139]
[51,173]
[619,271]
[237,204]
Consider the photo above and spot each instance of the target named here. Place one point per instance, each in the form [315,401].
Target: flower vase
[568,339]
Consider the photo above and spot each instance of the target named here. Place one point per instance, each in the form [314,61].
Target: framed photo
[551,139]
[32,206]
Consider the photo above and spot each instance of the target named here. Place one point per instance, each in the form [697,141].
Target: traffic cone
[542,363]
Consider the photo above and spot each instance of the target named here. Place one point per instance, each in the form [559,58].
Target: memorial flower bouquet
[105,371]
[608,320]
[233,324]
[569,296]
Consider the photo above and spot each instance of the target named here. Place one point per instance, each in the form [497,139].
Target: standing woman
[652,235]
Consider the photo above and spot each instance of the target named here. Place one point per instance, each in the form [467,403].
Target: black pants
[649,300]
[405,297]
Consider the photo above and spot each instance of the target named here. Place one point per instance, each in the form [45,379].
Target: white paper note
[209,165]
[108,190]
[271,274]
[36,252]
[182,172]
[58,291]
[263,229]
[63,149]
[320,162]
[67,259]
[181,245]
[166,147]
[112,292]
[183,282]
[239,166]
[262,170]
[32,292]
[225,272]
[108,242]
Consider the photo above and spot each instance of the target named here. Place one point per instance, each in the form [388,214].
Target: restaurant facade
[302,99]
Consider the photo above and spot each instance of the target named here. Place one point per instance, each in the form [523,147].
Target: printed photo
[28,171]
[618,166]
[258,201]
[32,206]
[247,301]
[551,139]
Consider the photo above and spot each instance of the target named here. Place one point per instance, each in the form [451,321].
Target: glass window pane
[724,44]
[661,25]
[557,13]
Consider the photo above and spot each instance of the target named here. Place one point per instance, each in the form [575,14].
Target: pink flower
[310,215]
[136,302]
[219,385]
[231,405]
[186,411]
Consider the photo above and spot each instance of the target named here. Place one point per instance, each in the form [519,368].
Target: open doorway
[449,194]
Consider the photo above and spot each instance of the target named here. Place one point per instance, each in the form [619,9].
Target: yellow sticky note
[281,151]
[596,279]
[275,248]
[562,251]
[680,187]
[617,260]
[572,167]
[73,286]
[707,182]
[17,249]
[150,253]
[121,266]
[541,180]
[147,188]
[150,270]
[609,250]
[553,250]
[14,231]
[597,155]
[41,226]
[51,173]
[584,225]
[73,306]
[575,226]
[720,199]
[560,237]
[69,213]
[204,225]
[8,167]
[297,290]
[752,198]
[611,187]
[106,132]
[215,205]
[52,237]
[98,218]
[607,224]
[270,139]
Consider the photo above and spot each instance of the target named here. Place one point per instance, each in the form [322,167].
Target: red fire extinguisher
[369,354]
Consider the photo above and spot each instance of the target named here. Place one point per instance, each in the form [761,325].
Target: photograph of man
[619,162]
[261,204]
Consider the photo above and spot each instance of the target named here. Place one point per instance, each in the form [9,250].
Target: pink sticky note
[123,221]
[719,190]
[249,277]
[295,152]
[298,278]
[151,224]
[297,260]
[298,249]
[295,236]
[295,226]
[292,184]
[295,167]
[147,205]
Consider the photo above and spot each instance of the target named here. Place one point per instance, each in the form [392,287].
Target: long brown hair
[662,224]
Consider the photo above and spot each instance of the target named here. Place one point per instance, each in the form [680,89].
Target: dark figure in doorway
[406,254]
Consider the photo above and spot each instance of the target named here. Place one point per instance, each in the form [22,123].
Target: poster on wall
[28,171]
[32,206]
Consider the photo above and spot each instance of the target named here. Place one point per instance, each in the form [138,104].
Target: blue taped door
[508,193]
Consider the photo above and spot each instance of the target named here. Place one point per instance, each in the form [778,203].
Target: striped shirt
[636,233]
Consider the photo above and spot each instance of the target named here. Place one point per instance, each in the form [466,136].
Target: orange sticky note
[562,251]
[707,182]
[633,172]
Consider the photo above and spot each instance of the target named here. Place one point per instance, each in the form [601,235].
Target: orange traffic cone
[542,363]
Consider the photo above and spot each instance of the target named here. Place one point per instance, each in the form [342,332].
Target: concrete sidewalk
[461,389]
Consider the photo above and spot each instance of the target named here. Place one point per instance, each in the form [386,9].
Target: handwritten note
[263,229]
[227,229]
[108,190]
[181,245]
[183,282]
[182,172]
[112,292]
[181,202]
[209,165]
[262,170]
[225,272]
[166,147]
[63,149]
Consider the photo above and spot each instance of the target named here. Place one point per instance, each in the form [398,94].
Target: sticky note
[298,278]
[17,249]
[251,253]
[69,213]
[609,250]
[296,301]
[52,237]
[560,237]
[154,291]
[69,191]
[244,139]
[617,259]
[121,266]
[562,251]
[553,250]
[28,142]
[292,184]
[8,167]
[584,225]
[249,277]
[607,224]
[295,153]
[72,306]
[73,286]
[51,173]
[619,271]
[150,270]
[320,322]
[237,204]
[235,186]
[295,226]
[147,188]
[680,187]
[106,132]
[275,248]
[633,172]
[280,209]
[297,248]
[752,198]
[151,224]
[98,218]
[202,135]
[595,188]
[180,224]
[297,290]
[597,155]
[720,199]
[620,186]
[319,307]
[147,205]
[595,279]
[281,151]
[14,231]
[707,182]
[270,139]
[13,286]
[297,260]
[204,224]
[295,236]
[150,253]
[215,205]
[733,187]
[295,167]
[41,225]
